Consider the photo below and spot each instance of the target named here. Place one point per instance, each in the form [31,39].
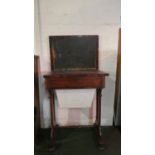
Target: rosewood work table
[74,65]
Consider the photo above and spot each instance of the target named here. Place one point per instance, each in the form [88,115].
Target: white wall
[37,47]
[60,17]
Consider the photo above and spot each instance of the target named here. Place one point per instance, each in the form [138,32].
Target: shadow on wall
[107,102]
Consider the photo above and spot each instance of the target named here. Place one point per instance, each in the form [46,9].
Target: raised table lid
[74,53]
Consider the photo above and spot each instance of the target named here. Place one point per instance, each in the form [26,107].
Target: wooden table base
[76,80]
[97,124]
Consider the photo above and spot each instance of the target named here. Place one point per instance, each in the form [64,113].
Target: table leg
[100,139]
[53,122]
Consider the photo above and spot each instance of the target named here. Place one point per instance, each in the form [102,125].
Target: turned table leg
[53,122]
[100,139]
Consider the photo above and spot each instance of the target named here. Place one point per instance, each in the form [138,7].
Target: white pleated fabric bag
[75,98]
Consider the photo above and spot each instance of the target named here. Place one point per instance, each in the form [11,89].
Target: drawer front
[75,83]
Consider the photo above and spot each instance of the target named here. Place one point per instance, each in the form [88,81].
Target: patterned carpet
[79,141]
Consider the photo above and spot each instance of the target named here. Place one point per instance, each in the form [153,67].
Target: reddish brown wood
[118,71]
[100,139]
[75,80]
[96,73]
[36,97]
[53,120]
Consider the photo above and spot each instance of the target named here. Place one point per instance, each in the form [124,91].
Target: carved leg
[53,132]
[100,140]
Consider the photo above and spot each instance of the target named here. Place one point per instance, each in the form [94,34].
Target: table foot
[101,143]
[100,138]
[52,146]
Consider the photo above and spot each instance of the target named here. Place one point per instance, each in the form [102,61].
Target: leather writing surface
[71,53]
